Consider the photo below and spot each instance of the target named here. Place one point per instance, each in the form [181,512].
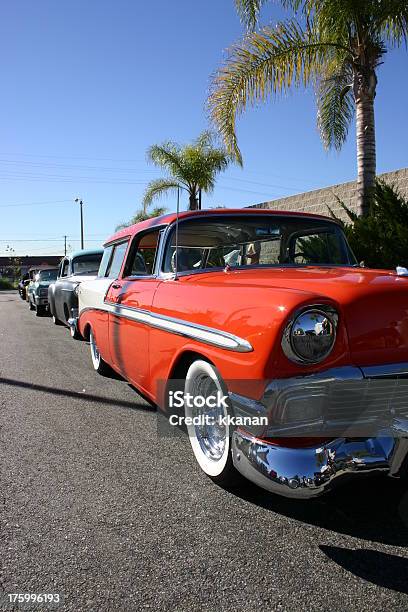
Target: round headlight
[310,336]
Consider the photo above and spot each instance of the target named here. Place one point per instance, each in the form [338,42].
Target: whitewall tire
[211,444]
[98,363]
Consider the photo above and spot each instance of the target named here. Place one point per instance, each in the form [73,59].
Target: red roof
[171,217]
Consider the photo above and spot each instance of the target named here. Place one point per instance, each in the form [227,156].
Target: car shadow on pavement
[77,395]
[382,569]
[374,509]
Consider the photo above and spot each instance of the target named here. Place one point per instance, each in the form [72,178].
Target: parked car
[22,286]
[31,280]
[37,290]
[62,294]
[307,351]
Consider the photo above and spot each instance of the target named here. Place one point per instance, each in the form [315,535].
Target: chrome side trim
[202,333]
[384,371]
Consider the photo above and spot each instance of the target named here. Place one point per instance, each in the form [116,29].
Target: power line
[122,180]
[258,183]
[34,203]
[75,167]
[77,180]
[131,171]
[70,180]
[223,187]
[24,173]
[148,171]
[74,157]
[43,240]
[134,160]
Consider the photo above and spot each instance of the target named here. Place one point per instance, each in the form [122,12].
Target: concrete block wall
[318,200]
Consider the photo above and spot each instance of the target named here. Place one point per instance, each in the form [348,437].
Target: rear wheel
[55,320]
[98,363]
[211,442]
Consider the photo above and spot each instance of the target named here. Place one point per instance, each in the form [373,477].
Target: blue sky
[88,85]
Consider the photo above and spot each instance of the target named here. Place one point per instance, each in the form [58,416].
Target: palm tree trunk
[366,153]
[193,202]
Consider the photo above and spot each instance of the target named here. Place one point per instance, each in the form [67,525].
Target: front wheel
[210,436]
[98,363]
[74,332]
[39,311]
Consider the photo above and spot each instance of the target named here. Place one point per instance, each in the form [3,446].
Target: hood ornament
[402,271]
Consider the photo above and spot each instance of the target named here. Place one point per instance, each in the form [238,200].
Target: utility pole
[79,201]
[65,245]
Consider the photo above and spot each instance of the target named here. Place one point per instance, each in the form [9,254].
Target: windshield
[86,264]
[44,276]
[257,241]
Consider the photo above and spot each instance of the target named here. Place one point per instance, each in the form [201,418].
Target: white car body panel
[92,293]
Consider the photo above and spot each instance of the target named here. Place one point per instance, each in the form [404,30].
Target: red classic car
[305,351]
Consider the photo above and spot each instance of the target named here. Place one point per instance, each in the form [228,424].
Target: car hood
[335,282]
[373,304]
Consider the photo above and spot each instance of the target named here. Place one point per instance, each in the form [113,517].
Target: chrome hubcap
[94,350]
[211,433]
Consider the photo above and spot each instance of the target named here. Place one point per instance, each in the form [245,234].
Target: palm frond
[168,156]
[157,211]
[205,140]
[158,188]
[393,21]
[248,12]
[266,62]
[142,215]
[335,104]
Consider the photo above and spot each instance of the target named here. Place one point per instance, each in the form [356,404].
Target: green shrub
[380,239]
[5,283]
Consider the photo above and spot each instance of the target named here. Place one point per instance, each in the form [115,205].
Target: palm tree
[192,168]
[142,215]
[337,46]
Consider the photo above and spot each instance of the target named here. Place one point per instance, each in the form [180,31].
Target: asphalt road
[96,507]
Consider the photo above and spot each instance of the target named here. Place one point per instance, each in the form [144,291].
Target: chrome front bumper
[309,472]
[364,411]
[73,320]
[40,301]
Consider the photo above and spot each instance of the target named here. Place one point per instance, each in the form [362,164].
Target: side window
[317,248]
[116,261]
[142,255]
[64,267]
[103,266]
